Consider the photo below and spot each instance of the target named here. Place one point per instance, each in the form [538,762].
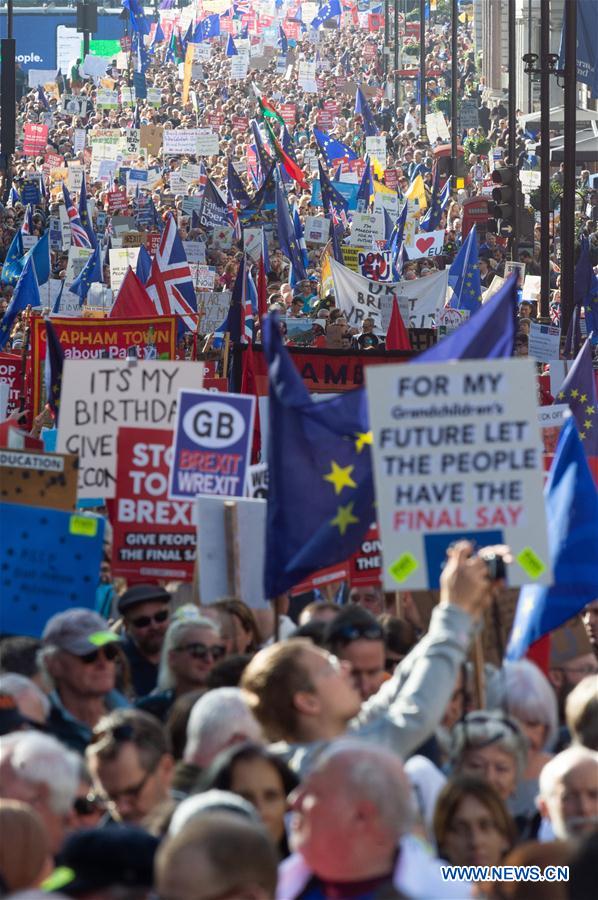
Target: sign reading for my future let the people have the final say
[457,454]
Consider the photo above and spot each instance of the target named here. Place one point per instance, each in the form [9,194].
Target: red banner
[327,371]
[153,537]
[288,111]
[240,122]
[365,565]
[35,140]
[117,200]
[10,374]
[98,338]
[215,119]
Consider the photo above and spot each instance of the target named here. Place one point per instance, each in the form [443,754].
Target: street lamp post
[568,201]
[8,99]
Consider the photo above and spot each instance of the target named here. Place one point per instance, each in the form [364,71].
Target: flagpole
[24,351]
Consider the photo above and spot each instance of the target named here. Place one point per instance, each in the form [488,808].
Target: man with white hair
[218,720]
[568,795]
[350,831]
[37,769]
[31,701]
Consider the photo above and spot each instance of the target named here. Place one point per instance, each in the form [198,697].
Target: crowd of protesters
[341,750]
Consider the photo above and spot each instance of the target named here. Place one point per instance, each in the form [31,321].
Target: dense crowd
[339,745]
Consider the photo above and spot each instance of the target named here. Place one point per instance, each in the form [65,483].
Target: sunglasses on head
[156,619]
[355,632]
[110,652]
[200,651]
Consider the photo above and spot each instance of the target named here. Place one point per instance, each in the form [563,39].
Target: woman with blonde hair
[24,853]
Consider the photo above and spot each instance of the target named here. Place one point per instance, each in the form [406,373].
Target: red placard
[152,242]
[154,537]
[215,119]
[288,111]
[117,200]
[365,565]
[35,140]
[375,22]
[10,374]
[239,122]
[391,179]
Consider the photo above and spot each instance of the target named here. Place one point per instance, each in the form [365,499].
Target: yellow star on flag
[587,423]
[344,517]
[582,435]
[575,393]
[583,398]
[362,438]
[561,395]
[590,410]
[340,477]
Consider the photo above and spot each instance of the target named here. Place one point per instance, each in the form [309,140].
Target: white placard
[544,342]
[213,309]
[178,141]
[98,395]
[306,76]
[40,76]
[425,243]
[239,66]
[317,230]
[366,229]
[207,145]
[457,452]
[79,140]
[120,260]
[68,47]
[75,176]
[375,146]
[195,251]
[212,556]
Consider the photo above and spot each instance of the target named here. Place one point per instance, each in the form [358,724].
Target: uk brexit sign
[212,444]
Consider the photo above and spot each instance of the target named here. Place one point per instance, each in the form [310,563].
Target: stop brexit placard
[154,537]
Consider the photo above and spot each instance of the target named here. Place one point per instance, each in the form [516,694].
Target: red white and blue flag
[79,236]
[170,284]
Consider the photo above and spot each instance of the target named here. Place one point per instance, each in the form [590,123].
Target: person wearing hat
[105,862]
[145,609]
[79,655]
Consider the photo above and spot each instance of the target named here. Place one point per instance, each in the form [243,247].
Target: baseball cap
[142,593]
[77,631]
[98,858]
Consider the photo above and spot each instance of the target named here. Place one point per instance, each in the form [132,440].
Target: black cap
[142,593]
[98,858]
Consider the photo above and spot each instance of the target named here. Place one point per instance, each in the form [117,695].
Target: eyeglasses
[86,806]
[200,651]
[355,632]
[110,652]
[130,793]
[156,619]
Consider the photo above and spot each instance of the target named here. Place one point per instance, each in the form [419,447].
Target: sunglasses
[200,651]
[355,632]
[110,652]
[156,619]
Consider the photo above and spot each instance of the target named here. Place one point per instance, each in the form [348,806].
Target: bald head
[217,854]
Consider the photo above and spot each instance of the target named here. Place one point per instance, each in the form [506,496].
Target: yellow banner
[417,191]
[187,72]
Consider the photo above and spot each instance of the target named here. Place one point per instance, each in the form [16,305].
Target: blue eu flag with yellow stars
[13,264]
[464,276]
[579,392]
[319,451]
[89,274]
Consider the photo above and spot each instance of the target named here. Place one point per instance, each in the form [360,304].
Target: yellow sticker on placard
[403,567]
[459,184]
[83,526]
[530,562]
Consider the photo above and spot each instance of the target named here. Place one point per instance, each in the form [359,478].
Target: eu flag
[336,208]
[137,16]
[84,214]
[320,450]
[25,294]
[572,514]
[231,49]
[366,189]
[53,367]
[144,265]
[464,276]
[235,188]
[287,238]
[362,109]
[579,392]
[13,264]
[40,253]
[328,11]
[89,274]
[206,29]
[440,198]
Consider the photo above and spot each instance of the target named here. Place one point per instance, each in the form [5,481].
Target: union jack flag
[170,284]
[79,236]
[27,226]
[338,216]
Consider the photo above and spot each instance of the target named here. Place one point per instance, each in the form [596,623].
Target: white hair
[561,765]
[208,802]
[41,759]
[218,719]
[16,686]
[374,773]
[523,691]
[176,628]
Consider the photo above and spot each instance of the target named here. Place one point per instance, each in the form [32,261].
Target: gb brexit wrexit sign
[212,444]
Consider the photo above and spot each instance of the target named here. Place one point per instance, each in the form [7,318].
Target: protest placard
[365,565]
[98,396]
[544,342]
[256,486]
[428,244]
[213,308]
[120,260]
[207,144]
[375,264]
[306,76]
[231,563]
[457,453]
[317,230]
[366,229]
[150,137]
[35,581]
[35,139]
[203,276]
[10,374]
[239,66]
[195,251]
[153,537]
[375,146]
[39,479]
[106,99]
[212,445]
[179,141]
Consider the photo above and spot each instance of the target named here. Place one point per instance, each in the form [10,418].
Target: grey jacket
[408,707]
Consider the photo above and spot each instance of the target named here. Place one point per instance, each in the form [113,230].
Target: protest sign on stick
[457,453]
